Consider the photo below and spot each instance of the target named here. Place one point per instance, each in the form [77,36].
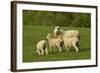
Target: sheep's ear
[59,29]
[53,27]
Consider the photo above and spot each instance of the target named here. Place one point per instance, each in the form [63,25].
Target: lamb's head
[49,36]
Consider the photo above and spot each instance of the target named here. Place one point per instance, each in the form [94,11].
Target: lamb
[71,42]
[54,42]
[42,47]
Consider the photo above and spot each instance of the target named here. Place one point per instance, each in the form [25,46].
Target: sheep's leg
[60,47]
[60,50]
[76,48]
[39,52]
[46,51]
[67,49]
[50,48]
[78,45]
[54,49]
[42,52]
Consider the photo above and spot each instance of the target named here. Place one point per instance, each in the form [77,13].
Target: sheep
[71,42]
[72,33]
[58,31]
[69,33]
[54,42]
[42,47]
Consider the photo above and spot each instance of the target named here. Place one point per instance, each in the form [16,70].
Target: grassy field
[33,34]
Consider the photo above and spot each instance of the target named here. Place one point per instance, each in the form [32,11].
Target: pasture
[33,34]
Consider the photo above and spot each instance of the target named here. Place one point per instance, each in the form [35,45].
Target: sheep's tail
[78,42]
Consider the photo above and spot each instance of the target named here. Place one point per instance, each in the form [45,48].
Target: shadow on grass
[85,49]
[84,53]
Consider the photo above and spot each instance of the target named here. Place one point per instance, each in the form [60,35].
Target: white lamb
[54,42]
[42,47]
[71,42]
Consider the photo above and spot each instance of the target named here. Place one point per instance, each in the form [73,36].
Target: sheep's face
[49,36]
[57,28]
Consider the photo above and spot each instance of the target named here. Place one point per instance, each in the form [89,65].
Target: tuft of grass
[33,34]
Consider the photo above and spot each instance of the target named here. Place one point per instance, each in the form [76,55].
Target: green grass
[33,34]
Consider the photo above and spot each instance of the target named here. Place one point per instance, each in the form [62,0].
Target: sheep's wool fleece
[70,41]
[41,44]
[71,33]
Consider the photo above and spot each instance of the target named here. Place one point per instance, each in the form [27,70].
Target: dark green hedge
[48,18]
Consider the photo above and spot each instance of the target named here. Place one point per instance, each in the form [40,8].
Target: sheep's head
[57,28]
[57,31]
[49,36]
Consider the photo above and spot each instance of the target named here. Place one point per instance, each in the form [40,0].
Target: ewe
[58,31]
[42,47]
[72,33]
[69,33]
[54,42]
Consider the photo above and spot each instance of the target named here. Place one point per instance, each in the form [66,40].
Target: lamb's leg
[78,45]
[60,50]
[54,49]
[50,49]
[76,48]
[60,47]
[67,49]
[42,52]
[39,52]
[46,51]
